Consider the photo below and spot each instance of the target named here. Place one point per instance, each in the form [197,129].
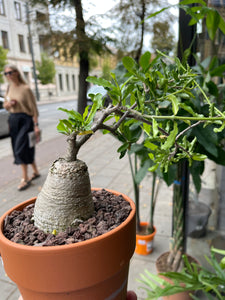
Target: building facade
[217,47]
[22,36]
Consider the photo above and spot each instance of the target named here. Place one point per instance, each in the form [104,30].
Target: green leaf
[153,168]
[222,25]
[171,138]
[124,147]
[187,108]
[187,2]
[198,157]
[212,23]
[72,114]
[129,63]
[219,71]
[213,90]
[139,176]
[145,60]
[207,138]
[196,170]
[150,145]
[220,129]
[159,12]
[97,103]
[147,128]
[62,128]
[100,81]
[86,112]
[175,103]
[155,127]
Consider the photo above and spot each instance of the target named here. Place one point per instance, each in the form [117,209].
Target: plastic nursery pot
[144,243]
[160,263]
[93,269]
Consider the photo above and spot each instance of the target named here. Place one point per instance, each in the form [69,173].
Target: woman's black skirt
[20,124]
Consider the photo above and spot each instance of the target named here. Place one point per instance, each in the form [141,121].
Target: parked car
[4,115]
[95,89]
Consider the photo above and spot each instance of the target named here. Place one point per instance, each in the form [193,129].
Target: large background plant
[141,100]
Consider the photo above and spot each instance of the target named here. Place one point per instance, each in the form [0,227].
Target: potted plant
[210,280]
[151,86]
[198,134]
[135,100]
[139,162]
[86,269]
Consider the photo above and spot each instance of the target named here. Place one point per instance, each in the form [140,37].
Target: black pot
[198,215]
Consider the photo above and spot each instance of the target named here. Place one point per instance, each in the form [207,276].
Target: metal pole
[32,53]
[187,39]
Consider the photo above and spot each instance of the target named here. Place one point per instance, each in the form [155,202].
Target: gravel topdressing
[110,212]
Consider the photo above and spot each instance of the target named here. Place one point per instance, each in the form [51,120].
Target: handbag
[33,138]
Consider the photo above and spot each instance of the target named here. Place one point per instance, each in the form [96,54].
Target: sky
[100,7]
[94,7]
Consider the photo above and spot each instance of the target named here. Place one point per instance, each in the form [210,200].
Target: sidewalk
[107,171]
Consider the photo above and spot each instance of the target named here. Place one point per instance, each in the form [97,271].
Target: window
[26,76]
[60,82]
[5,40]
[2,8]
[73,82]
[44,43]
[67,82]
[17,10]
[28,42]
[40,17]
[21,43]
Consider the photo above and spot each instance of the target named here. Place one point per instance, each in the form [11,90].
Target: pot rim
[41,249]
[146,235]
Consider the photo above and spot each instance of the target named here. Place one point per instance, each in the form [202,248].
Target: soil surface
[110,212]
[162,265]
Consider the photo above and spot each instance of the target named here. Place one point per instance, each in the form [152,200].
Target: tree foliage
[3,61]
[163,39]
[130,26]
[46,69]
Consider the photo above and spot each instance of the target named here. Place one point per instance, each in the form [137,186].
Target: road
[49,116]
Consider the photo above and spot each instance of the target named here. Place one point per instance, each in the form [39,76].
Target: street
[49,116]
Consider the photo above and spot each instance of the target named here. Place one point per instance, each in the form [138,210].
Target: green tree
[130,26]
[80,40]
[3,61]
[46,70]
[163,39]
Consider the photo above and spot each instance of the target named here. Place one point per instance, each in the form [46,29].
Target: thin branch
[188,128]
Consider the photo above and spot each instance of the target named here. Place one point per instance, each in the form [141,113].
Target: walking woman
[20,102]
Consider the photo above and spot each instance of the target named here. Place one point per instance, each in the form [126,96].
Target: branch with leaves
[160,96]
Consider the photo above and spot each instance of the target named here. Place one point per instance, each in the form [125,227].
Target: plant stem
[152,206]
[136,189]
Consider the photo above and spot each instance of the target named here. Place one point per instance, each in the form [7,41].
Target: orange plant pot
[144,243]
[94,269]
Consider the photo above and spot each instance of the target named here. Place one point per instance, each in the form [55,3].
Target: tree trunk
[142,17]
[83,55]
[84,70]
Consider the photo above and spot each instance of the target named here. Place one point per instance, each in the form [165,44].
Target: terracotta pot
[179,296]
[93,269]
[144,243]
